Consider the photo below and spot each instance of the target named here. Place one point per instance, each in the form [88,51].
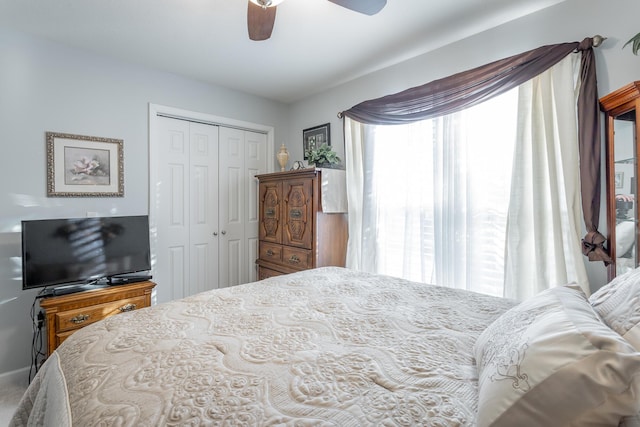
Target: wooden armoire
[297,231]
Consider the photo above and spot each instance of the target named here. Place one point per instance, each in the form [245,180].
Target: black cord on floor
[38,356]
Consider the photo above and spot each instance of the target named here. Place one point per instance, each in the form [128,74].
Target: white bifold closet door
[242,157]
[204,206]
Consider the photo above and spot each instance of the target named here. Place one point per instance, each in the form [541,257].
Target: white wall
[572,20]
[48,87]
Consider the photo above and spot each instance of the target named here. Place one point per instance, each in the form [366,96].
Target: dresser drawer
[78,318]
[297,258]
[271,252]
[65,314]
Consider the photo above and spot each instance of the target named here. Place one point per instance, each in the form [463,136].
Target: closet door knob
[215,233]
[223,232]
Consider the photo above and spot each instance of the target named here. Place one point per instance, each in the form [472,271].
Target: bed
[336,347]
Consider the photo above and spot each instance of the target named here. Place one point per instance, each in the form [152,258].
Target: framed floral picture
[84,166]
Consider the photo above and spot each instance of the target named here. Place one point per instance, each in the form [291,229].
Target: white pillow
[550,361]
[618,303]
[625,236]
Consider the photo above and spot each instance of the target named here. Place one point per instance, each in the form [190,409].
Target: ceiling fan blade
[260,21]
[368,7]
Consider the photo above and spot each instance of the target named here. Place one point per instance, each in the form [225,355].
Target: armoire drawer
[270,252]
[297,258]
[265,273]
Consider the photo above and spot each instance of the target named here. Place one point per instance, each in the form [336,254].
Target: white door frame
[156,110]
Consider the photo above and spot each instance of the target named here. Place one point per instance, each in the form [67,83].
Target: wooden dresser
[295,232]
[65,314]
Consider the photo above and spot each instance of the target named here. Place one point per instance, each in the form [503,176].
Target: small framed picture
[315,137]
[619,179]
[84,166]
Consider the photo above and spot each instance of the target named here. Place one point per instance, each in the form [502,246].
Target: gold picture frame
[84,166]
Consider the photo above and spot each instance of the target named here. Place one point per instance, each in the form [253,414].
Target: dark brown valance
[468,88]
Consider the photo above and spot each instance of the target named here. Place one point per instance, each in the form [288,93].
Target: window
[459,234]
[442,188]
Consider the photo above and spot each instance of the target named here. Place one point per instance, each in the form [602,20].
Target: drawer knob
[127,307]
[80,318]
[270,252]
[294,259]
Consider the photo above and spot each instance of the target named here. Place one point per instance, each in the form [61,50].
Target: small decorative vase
[283,157]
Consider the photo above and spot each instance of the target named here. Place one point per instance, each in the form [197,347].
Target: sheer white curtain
[429,201]
[543,247]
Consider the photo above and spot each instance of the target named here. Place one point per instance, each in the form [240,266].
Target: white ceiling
[315,44]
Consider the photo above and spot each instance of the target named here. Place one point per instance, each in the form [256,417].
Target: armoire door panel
[297,213]
[270,212]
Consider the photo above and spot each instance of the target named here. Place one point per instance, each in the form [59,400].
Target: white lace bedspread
[324,347]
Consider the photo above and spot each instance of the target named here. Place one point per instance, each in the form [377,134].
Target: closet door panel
[185,211]
[203,198]
[255,164]
[232,207]
[204,205]
[171,193]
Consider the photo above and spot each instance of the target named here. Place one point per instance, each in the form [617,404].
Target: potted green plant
[322,156]
[635,44]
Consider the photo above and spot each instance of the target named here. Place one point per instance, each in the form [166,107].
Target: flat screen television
[70,251]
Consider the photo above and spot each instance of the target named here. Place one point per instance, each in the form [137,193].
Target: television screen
[79,250]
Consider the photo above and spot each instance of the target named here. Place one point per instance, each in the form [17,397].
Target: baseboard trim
[17,377]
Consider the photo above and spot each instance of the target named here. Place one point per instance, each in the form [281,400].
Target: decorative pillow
[618,303]
[550,361]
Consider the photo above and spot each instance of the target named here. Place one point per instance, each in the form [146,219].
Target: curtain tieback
[593,247]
